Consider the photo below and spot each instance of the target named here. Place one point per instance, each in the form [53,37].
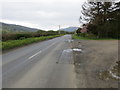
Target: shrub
[23,35]
[82,34]
[16,43]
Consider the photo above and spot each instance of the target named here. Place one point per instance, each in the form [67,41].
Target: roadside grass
[88,38]
[6,45]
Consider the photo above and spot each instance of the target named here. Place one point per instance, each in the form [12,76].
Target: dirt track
[96,56]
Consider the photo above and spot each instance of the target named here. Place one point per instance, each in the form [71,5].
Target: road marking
[40,51]
[34,55]
[15,67]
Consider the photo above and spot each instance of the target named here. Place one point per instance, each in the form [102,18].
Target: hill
[16,28]
[70,29]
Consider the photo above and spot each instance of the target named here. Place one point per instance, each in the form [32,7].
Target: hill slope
[16,28]
[70,29]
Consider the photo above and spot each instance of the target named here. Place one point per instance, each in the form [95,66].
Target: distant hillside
[16,28]
[70,29]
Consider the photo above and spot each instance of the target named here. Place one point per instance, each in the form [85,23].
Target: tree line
[102,18]
[23,35]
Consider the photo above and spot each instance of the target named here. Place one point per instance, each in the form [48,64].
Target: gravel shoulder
[97,56]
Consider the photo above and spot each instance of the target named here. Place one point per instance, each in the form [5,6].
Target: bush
[23,35]
[87,35]
[90,36]
[16,43]
[82,34]
[15,36]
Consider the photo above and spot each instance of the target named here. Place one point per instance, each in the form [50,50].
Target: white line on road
[41,51]
[27,59]
[34,55]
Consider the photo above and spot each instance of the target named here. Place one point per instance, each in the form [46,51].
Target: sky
[41,14]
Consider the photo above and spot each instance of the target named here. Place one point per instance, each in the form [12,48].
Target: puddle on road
[69,40]
[74,49]
[77,50]
[67,50]
[67,56]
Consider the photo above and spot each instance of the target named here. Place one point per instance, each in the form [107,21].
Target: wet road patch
[66,57]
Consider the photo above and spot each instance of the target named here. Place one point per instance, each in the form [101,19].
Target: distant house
[84,29]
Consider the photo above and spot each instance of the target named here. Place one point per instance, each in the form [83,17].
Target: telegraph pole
[59,29]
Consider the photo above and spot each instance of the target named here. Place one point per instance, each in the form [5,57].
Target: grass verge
[86,38]
[17,43]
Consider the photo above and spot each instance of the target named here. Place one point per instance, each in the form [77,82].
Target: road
[45,64]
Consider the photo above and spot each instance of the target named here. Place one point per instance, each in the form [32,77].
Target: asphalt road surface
[46,64]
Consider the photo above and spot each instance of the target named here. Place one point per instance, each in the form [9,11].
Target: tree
[99,15]
[78,31]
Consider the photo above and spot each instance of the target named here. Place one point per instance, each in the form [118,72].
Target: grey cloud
[45,14]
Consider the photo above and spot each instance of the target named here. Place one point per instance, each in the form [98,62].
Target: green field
[17,43]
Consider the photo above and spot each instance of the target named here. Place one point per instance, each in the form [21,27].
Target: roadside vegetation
[16,39]
[100,20]
[23,35]
[90,37]
[17,43]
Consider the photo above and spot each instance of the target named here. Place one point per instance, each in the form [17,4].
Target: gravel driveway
[97,56]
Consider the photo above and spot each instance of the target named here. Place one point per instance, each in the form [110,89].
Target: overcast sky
[42,14]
